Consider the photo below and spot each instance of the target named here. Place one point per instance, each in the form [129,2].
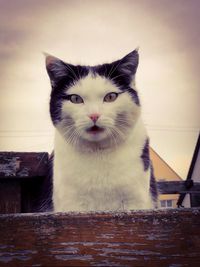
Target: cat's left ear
[128,64]
[122,71]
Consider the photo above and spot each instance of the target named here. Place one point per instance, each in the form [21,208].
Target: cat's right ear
[56,69]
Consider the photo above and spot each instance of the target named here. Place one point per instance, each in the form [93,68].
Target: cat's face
[94,107]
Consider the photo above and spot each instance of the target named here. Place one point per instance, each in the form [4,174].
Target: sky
[93,32]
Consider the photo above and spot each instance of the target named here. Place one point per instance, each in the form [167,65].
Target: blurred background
[93,32]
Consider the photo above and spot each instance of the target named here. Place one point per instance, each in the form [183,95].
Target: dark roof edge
[191,169]
[194,159]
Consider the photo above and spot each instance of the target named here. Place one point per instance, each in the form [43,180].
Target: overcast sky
[90,32]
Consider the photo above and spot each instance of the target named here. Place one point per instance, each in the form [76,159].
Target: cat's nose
[94,117]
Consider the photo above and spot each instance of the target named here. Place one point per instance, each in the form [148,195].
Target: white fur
[111,178]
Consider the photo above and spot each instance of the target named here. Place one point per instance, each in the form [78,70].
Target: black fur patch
[121,73]
[153,189]
[62,76]
[147,164]
[145,155]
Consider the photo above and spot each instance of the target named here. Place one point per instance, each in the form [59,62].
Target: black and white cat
[101,154]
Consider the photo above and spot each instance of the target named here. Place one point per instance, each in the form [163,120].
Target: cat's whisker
[82,124]
[113,139]
[72,78]
[68,133]
[119,133]
[115,77]
[110,72]
[124,124]
[72,137]
[76,137]
[72,71]
[79,76]
[114,67]
[106,70]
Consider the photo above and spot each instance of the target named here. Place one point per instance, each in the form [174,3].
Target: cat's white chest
[100,181]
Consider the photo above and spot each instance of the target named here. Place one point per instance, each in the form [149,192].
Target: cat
[101,155]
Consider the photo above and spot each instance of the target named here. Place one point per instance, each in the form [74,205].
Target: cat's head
[94,107]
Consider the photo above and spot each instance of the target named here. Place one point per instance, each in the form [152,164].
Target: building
[163,172]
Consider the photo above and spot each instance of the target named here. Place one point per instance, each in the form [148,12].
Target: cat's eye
[110,97]
[75,99]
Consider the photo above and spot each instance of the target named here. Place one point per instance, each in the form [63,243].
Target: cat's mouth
[95,130]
